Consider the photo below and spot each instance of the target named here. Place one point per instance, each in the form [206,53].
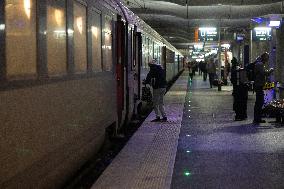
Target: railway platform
[201,146]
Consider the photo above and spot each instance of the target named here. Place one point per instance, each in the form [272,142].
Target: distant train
[68,70]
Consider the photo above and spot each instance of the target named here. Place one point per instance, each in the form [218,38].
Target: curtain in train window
[130,48]
[151,50]
[96,41]
[107,44]
[156,51]
[144,52]
[148,50]
[20,22]
[80,45]
[56,37]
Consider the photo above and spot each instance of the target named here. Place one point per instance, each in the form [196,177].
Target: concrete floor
[207,150]
[214,151]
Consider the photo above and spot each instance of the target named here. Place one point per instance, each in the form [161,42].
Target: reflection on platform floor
[216,152]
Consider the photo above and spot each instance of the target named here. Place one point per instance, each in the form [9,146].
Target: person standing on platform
[190,70]
[204,70]
[240,91]
[211,70]
[157,79]
[261,71]
[199,67]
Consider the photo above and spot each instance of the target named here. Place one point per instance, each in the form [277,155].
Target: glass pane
[144,52]
[107,44]
[80,47]
[20,37]
[150,50]
[96,41]
[56,37]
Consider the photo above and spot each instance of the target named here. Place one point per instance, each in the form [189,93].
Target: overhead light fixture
[198,46]
[226,45]
[262,28]
[258,19]
[274,23]
[208,29]
[2,26]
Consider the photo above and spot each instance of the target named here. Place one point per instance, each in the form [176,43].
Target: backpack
[250,71]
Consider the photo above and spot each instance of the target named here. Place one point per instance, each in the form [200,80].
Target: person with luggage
[157,79]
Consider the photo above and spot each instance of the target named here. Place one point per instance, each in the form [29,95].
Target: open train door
[120,61]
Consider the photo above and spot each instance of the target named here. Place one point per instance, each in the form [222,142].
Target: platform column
[279,68]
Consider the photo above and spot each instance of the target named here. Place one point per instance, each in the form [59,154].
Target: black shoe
[164,119]
[156,120]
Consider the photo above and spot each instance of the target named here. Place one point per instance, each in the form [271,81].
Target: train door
[135,66]
[139,61]
[120,61]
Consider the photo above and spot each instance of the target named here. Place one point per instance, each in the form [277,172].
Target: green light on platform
[188,151]
[187,173]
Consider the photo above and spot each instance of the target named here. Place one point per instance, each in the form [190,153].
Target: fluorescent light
[262,28]
[226,45]
[198,46]
[208,29]
[274,23]
[2,26]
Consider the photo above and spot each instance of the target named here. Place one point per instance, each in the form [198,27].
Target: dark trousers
[259,100]
[191,75]
[240,93]
[205,76]
[211,78]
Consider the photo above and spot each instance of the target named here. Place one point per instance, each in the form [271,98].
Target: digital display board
[261,34]
[208,34]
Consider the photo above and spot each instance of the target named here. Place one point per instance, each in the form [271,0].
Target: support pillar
[279,68]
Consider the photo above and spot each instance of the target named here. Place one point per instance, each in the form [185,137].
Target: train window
[145,52]
[151,50]
[130,48]
[20,21]
[56,37]
[96,41]
[80,43]
[148,51]
[107,43]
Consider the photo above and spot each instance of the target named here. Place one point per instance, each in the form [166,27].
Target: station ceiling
[176,20]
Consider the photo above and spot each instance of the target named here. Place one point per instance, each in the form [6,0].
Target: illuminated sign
[240,37]
[261,34]
[208,34]
[274,23]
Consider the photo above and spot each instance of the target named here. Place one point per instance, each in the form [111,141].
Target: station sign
[261,34]
[239,37]
[208,34]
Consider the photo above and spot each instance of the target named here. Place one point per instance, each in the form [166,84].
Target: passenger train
[69,70]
